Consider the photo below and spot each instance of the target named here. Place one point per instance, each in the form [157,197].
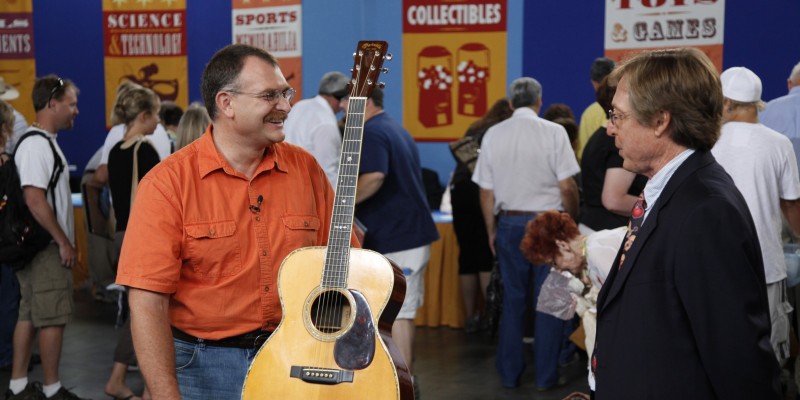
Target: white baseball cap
[7,92]
[741,84]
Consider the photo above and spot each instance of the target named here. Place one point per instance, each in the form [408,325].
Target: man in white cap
[9,93]
[312,123]
[762,163]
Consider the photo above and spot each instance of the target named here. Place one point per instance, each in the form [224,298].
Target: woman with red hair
[553,238]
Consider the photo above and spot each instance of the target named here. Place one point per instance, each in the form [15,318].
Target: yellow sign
[454,64]
[145,42]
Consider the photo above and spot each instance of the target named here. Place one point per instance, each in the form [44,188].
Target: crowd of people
[662,210]
[687,180]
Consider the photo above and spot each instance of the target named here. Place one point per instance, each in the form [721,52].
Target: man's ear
[562,245]
[662,122]
[224,106]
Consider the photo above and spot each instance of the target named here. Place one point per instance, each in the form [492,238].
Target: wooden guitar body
[333,343]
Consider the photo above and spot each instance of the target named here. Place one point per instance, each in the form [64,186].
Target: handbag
[494,300]
[466,151]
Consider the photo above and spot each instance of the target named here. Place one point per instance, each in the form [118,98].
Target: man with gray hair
[762,163]
[312,123]
[783,114]
[525,166]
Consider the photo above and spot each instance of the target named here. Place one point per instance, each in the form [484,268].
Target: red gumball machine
[435,79]
[473,73]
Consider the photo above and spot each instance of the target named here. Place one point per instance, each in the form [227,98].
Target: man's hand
[68,255]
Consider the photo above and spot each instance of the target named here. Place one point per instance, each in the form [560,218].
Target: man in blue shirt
[783,114]
[393,207]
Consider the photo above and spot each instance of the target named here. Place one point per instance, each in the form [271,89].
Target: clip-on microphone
[257,208]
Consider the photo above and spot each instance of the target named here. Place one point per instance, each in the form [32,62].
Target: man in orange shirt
[210,227]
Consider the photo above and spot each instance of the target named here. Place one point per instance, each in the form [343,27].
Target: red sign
[145,34]
[425,16]
[16,36]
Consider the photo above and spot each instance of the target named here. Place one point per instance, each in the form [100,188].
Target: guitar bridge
[325,376]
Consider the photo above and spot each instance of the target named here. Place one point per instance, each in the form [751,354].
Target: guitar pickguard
[356,348]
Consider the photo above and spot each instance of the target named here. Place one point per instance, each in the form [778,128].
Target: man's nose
[611,130]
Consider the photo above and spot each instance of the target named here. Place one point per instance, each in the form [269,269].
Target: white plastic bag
[555,297]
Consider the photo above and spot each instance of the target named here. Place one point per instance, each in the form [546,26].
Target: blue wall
[560,48]
[556,47]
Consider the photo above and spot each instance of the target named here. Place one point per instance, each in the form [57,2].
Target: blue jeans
[9,312]
[550,332]
[208,372]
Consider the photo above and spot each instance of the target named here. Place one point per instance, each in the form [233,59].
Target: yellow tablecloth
[442,304]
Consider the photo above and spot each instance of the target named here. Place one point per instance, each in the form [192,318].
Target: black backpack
[21,237]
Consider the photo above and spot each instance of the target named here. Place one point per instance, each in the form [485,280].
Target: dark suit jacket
[686,317]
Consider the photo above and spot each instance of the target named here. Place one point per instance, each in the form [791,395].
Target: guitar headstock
[367,67]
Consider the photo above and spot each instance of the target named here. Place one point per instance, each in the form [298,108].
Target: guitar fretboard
[337,257]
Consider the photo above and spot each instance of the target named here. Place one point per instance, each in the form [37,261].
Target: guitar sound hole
[330,311]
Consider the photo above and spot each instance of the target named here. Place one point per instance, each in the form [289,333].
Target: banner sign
[636,25]
[145,42]
[276,29]
[452,51]
[17,59]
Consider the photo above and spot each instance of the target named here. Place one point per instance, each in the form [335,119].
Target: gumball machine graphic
[473,73]
[434,79]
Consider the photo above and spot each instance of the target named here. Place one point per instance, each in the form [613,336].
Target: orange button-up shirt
[192,234]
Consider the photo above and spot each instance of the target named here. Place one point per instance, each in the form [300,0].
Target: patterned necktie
[637,217]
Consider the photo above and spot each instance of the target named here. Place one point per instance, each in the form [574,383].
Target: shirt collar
[795,90]
[210,159]
[49,134]
[656,184]
[527,111]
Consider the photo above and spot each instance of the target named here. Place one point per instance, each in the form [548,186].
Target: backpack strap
[58,165]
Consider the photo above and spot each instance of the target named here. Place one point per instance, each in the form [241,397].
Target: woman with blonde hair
[192,125]
[9,287]
[128,161]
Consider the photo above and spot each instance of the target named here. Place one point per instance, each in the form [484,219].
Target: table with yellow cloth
[442,305]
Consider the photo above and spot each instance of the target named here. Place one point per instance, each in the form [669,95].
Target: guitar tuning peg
[354,54]
[388,56]
[381,85]
[351,70]
[385,70]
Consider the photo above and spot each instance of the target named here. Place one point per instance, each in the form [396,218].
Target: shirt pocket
[213,249]
[301,230]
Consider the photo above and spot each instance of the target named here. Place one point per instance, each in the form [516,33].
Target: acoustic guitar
[339,303]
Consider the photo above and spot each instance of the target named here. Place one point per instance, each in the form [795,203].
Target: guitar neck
[337,258]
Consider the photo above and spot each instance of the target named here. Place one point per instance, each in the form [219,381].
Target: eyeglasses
[55,89]
[615,117]
[271,96]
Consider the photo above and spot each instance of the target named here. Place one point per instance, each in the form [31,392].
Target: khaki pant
[46,290]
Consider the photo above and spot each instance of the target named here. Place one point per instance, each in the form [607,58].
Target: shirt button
[305,223]
[263,253]
[211,232]
[266,288]
[258,218]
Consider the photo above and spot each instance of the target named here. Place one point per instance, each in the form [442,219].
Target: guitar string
[337,256]
[325,302]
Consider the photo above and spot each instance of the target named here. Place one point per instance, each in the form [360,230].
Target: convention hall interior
[554,42]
